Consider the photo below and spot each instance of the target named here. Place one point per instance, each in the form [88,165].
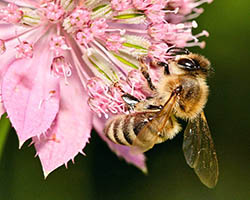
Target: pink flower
[66,64]
[141,4]
[114,42]
[120,5]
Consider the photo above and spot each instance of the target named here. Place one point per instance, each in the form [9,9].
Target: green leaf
[4,130]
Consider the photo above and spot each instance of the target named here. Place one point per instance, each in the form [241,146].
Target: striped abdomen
[123,129]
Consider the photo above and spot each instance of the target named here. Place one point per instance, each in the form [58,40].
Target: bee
[181,92]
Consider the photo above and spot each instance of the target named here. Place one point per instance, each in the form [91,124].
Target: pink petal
[10,30]
[7,31]
[122,151]
[27,3]
[31,94]
[2,110]
[72,127]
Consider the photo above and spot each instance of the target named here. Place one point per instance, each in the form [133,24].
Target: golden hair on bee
[181,92]
[191,72]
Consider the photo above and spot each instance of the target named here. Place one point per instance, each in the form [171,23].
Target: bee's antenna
[178,51]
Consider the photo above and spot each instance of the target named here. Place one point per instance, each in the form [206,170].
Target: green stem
[4,130]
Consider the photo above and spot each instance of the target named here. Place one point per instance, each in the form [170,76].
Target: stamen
[79,17]
[198,3]
[24,50]
[84,36]
[107,55]
[104,99]
[44,3]
[17,35]
[122,31]
[97,107]
[2,47]
[114,42]
[158,31]
[137,31]
[127,87]
[175,11]
[96,86]
[68,5]
[203,33]
[141,4]
[76,55]
[99,26]
[155,15]
[11,13]
[60,67]
[54,139]
[120,5]
[51,94]
[197,13]
[158,51]
[58,45]
[53,12]
[136,79]
[199,44]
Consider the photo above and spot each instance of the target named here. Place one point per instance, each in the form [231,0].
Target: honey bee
[181,92]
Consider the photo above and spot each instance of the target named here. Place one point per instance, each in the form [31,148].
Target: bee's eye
[188,64]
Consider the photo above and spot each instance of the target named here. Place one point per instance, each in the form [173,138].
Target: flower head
[66,64]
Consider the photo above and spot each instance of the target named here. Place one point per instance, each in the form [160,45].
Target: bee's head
[193,64]
[188,63]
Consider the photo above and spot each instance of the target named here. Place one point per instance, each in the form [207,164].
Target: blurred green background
[101,175]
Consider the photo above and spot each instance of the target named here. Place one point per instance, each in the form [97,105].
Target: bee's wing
[149,134]
[199,151]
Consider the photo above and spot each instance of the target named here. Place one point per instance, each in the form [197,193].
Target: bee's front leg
[144,71]
[130,100]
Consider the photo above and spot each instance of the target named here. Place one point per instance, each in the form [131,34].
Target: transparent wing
[199,151]
[149,134]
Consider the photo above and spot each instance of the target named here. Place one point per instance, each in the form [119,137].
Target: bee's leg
[130,100]
[166,67]
[144,71]
[154,107]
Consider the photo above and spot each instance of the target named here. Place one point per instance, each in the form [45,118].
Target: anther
[79,17]
[53,138]
[11,13]
[2,47]
[58,45]
[60,67]
[24,50]
[53,12]
[84,36]
[51,94]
